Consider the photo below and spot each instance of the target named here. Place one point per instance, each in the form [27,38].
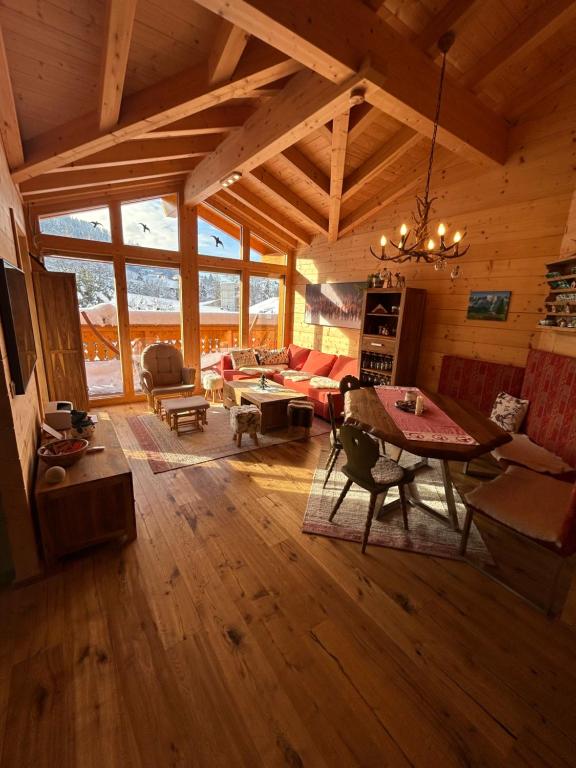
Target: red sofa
[548,382]
[310,362]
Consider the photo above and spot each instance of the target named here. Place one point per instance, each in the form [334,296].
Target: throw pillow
[243,358]
[274,356]
[323,382]
[508,411]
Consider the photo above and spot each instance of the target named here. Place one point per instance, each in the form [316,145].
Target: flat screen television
[17,325]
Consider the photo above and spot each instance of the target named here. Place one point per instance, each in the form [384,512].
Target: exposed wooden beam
[278,218]
[401,79]
[145,150]
[221,119]
[400,143]
[337,163]
[73,179]
[361,118]
[531,33]
[226,52]
[9,130]
[452,13]
[118,31]
[63,200]
[300,207]
[306,103]
[158,105]
[307,169]
[267,229]
[390,193]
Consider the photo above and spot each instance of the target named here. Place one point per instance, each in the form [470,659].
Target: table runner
[433,426]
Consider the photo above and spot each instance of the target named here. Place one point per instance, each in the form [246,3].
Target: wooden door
[59,319]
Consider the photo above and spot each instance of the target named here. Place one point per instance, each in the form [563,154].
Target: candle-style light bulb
[383,241]
[431,244]
[403,230]
[457,237]
[441,230]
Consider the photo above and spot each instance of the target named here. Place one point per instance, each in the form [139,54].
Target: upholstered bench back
[550,385]
[478,382]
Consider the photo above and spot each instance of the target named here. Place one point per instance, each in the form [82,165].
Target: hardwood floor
[225,637]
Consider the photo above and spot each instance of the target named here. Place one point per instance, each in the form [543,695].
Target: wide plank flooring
[225,637]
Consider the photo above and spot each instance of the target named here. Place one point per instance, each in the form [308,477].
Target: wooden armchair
[535,507]
[163,374]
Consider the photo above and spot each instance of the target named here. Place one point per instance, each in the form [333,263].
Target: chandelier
[417,243]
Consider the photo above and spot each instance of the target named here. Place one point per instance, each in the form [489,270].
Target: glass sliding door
[264,311]
[219,315]
[153,310]
[96,290]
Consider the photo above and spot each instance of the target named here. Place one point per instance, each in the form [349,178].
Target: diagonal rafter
[401,79]
[337,163]
[119,24]
[176,97]
[307,169]
[306,103]
[221,119]
[300,207]
[146,150]
[228,48]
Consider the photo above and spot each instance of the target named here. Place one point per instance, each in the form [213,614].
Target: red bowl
[63,453]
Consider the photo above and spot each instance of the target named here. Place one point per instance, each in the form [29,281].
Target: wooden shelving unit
[390,338]
[561,299]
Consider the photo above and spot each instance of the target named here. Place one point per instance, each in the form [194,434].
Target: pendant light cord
[435,130]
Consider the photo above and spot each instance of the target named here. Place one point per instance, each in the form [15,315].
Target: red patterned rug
[165,450]
[426,535]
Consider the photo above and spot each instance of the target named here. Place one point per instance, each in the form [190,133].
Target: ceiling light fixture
[418,244]
[231,179]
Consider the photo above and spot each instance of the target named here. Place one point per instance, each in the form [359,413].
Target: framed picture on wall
[335,304]
[488,305]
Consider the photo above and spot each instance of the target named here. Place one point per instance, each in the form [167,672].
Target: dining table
[447,430]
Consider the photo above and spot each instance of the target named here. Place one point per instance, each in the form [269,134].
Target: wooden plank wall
[516,219]
[19,418]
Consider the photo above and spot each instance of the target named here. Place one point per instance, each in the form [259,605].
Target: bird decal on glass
[95,224]
[217,241]
[145,227]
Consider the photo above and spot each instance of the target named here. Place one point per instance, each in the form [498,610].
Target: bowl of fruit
[63,453]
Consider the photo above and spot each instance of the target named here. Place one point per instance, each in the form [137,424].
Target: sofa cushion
[297,356]
[478,382]
[533,504]
[274,357]
[509,411]
[344,366]
[242,358]
[550,385]
[521,450]
[318,363]
[324,382]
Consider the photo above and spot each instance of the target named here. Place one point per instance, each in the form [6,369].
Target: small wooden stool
[186,412]
[213,384]
[301,414]
[244,418]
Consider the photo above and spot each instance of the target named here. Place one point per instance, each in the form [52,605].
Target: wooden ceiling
[102,95]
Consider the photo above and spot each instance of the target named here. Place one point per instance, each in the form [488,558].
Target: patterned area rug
[165,450]
[426,535]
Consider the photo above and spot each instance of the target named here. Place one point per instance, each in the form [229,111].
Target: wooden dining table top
[363,408]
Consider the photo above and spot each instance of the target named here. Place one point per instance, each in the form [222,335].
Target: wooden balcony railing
[101,343]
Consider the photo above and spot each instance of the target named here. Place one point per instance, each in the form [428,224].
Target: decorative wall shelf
[561,270]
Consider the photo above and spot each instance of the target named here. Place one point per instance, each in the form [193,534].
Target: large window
[265,253]
[219,315]
[92,224]
[153,310]
[151,223]
[218,235]
[98,321]
[264,311]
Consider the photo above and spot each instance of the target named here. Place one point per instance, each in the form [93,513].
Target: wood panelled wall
[517,217]
[19,417]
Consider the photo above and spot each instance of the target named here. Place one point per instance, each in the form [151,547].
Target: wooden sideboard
[93,504]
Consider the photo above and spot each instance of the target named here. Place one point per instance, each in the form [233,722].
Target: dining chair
[335,443]
[349,382]
[375,473]
[535,507]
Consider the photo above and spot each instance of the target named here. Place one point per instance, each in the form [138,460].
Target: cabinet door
[61,334]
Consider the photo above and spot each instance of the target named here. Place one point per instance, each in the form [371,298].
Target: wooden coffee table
[187,412]
[272,402]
